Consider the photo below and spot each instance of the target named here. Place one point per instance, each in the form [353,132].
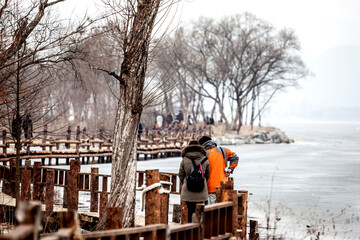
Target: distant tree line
[234,66]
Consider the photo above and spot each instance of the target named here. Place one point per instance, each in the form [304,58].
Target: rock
[260,135]
[274,136]
[286,140]
[259,141]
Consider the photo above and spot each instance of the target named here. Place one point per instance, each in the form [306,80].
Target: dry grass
[219,130]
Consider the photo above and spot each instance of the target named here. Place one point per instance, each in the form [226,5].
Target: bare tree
[237,60]
[134,26]
[31,41]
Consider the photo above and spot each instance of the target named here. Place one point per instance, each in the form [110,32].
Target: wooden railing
[154,143]
[151,232]
[94,183]
[223,220]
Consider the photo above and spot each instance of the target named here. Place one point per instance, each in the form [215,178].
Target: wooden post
[69,220]
[12,177]
[65,198]
[229,184]
[200,214]
[174,184]
[103,204]
[242,212]
[6,179]
[37,187]
[164,199]
[152,203]
[49,196]
[140,179]
[218,194]
[27,164]
[31,216]
[94,187]
[176,213]
[72,191]
[184,212]
[253,235]
[113,218]
[233,196]
[4,141]
[78,131]
[25,185]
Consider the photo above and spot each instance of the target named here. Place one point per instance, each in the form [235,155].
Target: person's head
[204,139]
[193,146]
[194,142]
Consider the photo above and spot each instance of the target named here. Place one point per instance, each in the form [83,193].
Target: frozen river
[311,186]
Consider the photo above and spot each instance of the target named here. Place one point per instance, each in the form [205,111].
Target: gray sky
[329,33]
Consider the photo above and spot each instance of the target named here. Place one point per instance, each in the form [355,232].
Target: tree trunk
[124,163]
[132,78]
[239,115]
[252,118]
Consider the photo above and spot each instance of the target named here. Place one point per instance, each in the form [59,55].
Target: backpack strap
[204,160]
[193,162]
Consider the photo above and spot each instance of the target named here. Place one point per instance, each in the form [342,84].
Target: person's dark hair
[204,139]
[194,142]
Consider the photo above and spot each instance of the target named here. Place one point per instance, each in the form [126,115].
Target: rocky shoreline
[274,136]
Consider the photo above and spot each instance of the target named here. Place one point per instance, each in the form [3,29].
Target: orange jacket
[218,165]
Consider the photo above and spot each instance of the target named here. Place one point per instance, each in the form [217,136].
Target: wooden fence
[50,149]
[226,219]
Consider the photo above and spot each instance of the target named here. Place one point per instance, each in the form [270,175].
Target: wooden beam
[152,203]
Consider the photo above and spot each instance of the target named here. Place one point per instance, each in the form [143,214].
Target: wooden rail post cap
[75,161]
[29,212]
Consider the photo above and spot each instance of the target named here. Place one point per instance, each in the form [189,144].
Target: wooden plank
[72,191]
[37,187]
[87,182]
[164,199]
[217,206]
[183,227]
[94,196]
[152,203]
[124,231]
[49,196]
[103,204]
[25,185]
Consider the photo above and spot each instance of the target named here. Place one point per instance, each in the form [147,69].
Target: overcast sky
[329,33]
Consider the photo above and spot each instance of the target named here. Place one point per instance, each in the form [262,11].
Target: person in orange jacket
[218,159]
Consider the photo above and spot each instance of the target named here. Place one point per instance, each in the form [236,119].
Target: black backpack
[195,180]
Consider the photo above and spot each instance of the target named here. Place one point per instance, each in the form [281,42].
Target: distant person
[189,120]
[15,126]
[27,126]
[194,153]
[169,119]
[140,130]
[159,120]
[212,120]
[218,158]
[180,116]
[207,120]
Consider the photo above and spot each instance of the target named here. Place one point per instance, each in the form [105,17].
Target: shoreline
[248,135]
